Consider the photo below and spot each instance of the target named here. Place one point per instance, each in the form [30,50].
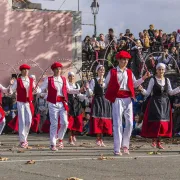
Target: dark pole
[95,25]
[78,5]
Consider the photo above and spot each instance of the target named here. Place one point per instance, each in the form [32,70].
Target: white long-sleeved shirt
[3,89]
[123,79]
[58,82]
[80,96]
[26,83]
[171,91]
[92,85]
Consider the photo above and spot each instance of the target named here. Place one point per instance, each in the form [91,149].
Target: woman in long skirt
[157,121]
[101,115]
[75,117]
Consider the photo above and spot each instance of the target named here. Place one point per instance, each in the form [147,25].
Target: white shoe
[98,142]
[60,145]
[102,143]
[74,138]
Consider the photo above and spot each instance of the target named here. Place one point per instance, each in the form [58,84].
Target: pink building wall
[30,35]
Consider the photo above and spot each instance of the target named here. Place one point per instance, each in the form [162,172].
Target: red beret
[123,54]
[178,30]
[56,65]
[24,66]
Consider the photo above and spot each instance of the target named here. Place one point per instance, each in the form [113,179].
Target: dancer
[120,83]
[58,87]
[75,117]
[101,116]
[24,86]
[157,120]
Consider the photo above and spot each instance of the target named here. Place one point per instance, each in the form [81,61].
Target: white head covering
[161,65]
[71,74]
[98,66]
[33,76]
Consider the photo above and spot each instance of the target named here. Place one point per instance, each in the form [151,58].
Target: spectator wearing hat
[120,83]
[58,90]
[24,87]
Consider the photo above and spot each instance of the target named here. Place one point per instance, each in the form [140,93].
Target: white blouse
[161,82]
[80,96]
[92,85]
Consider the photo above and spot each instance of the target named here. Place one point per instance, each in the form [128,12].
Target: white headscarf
[33,76]
[98,66]
[161,65]
[71,74]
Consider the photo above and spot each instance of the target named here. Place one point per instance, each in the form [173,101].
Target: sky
[135,15]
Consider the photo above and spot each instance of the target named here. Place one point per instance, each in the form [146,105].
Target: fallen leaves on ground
[73,178]
[154,153]
[105,158]
[30,162]
[3,159]
[29,147]
[20,151]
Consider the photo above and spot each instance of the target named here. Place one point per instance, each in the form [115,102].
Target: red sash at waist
[123,94]
[62,99]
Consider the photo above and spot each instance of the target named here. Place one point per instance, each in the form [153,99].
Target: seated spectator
[176,116]
[87,48]
[171,42]
[138,127]
[13,109]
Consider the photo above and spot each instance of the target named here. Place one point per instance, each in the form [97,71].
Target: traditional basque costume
[57,98]
[157,120]
[24,120]
[120,89]
[101,112]
[75,117]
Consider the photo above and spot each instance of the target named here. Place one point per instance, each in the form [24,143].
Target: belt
[123,94]
[62,99]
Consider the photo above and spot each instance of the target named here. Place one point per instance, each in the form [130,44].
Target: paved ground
[83,161]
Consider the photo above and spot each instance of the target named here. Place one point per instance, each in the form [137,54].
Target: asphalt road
[84,160]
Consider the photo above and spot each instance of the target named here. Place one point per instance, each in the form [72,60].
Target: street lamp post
[95,10]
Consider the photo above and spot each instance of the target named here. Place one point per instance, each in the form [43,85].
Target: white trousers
[55,111]
[25,120]
[2,125]
[122,106]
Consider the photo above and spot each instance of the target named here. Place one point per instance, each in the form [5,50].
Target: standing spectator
[141,38]
[120,38]
[151,31]
[110,37]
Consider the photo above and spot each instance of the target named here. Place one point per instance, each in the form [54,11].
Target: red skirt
[100,126]
[158,128]
[76,123]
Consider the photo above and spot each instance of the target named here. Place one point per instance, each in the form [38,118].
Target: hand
[12,81]
[147,75]
[82,89]
[140,88]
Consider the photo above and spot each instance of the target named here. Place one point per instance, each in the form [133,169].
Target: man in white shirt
[24,87]
[58,87]
[120,83]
